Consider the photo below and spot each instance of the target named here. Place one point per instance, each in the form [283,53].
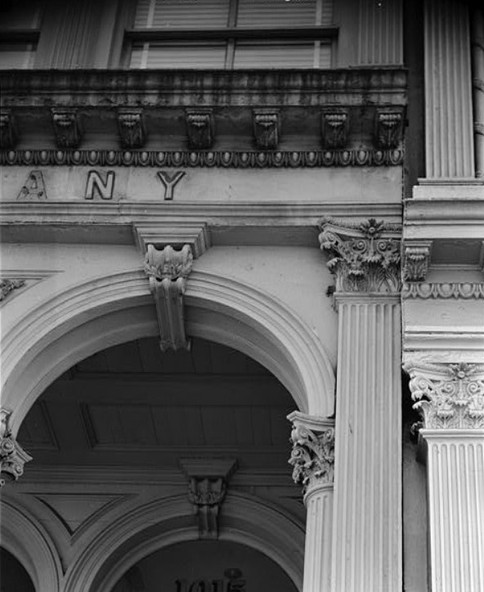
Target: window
[19,33]
[231,34]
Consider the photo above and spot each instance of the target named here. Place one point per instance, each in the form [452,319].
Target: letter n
[95,183]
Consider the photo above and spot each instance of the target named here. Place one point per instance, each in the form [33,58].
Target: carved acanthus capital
[167,271]
[7,286]
[8,130]
[266,128]
[416,261]
[335,128]
[365,257]
[200,128]
[448,396]
[12,456]
[388,128]
[207,487]
[131,127]
[312,454]
[67,127]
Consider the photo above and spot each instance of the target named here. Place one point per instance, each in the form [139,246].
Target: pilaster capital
[364,257]
[448,396]
[12,456]
[312,454]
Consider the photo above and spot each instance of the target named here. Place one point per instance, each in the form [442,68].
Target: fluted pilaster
[367,552]
[448,93]
[477,35]
[313,461]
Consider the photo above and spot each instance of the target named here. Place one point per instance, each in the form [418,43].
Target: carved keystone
[416,261]
[67,127]
[207,486]
[12,456]
[131,127]
[388,128]
[448,396]
[364,257]
[312,454]
[335,126]
[8,130]
[200,128]
[266,125]
[167,271]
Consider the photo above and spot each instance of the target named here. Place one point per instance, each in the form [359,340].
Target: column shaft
[367,547]
[455,472]
[317,552]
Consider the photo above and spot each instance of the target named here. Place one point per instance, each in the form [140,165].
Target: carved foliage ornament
[67,128]
[12,456]
[335,128]
[266,129]
[416,263]
[131,128]
[200,128]
[8,132]
[388,129]
[448,396]
[312,456]
[7,286]
[365,257]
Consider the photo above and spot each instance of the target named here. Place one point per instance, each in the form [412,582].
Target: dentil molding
[312,455]
[448,396]
[364,257]
[12,456]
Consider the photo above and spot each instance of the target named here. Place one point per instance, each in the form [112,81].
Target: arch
[31,545]
[164,522]
[105,311]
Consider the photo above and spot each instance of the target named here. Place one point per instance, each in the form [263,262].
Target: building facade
[242,296]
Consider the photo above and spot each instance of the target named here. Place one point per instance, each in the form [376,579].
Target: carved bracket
[7,286]
[312,454]
[131,128]
[67,127]
[8,130]
[207,487]
[200,128]
[266,123]
[388,128]
[12,456]
[167,271]
[416,261]
[335,127]
[365,257]
[448,396]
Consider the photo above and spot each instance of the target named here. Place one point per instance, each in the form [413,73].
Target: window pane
[17,55]
[170,55]
[188,14]
[276,13]
[274,55]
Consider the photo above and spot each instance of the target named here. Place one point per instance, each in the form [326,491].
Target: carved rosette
[7,286]
[416,262]
[312,455]
[388,128]
[365,257]
[448,396]
[12,456]
[266,129]
[200,128]
[335,128]
[67,127]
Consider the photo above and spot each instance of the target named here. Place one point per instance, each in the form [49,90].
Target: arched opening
[15,577]
[113,437]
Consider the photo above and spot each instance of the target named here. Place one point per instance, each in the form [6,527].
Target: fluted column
[367,545]
[313,461]
[477,36]
[450,398]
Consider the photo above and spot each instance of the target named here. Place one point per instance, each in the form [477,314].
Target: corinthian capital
[365,257]
[448,396]
[312,454]
[12,456]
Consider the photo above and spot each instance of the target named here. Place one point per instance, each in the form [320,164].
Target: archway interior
[205,566]
[13,575]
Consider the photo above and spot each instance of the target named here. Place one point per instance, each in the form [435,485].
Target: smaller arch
[30,544]
[165,522]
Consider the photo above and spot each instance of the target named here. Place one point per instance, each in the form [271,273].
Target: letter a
[34,187]
[95,183]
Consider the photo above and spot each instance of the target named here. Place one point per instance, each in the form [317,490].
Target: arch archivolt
[164,522]
[104,311]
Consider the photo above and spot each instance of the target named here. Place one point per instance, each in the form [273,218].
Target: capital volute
[12,455]
[312,456]
[364,256]
[448,396]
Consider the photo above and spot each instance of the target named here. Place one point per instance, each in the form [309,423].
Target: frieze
[448,396]
[446,291]
[224,159]
[364,257]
